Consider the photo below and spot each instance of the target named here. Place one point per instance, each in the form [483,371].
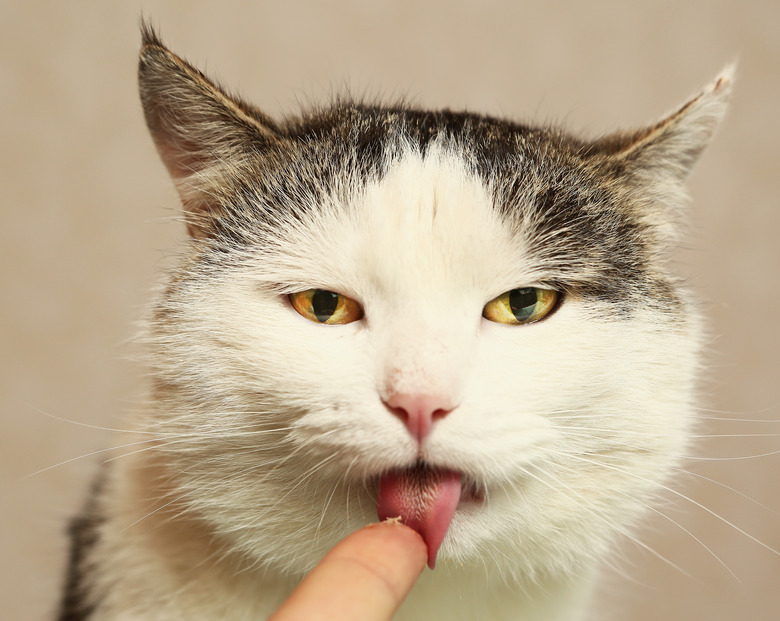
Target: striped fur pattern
[267,433]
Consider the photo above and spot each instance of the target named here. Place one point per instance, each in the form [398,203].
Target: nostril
[437,414]
[418,412]
[399,412]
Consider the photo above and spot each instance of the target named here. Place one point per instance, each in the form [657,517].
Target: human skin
[365,577]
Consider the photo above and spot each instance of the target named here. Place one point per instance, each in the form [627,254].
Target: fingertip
[365,576]
[396,550]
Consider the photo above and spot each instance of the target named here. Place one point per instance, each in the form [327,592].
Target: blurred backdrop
[89,220]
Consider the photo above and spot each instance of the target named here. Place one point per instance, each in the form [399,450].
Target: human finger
[364,578]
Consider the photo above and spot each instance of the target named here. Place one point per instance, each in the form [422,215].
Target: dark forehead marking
[572,216]
[575,218]
[372,129]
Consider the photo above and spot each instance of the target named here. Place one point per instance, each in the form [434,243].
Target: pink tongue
[424,498]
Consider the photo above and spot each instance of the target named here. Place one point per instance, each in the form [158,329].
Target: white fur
[568,424]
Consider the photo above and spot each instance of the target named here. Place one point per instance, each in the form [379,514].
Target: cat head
[375,298]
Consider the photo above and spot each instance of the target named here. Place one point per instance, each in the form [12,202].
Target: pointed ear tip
[724,81]
[153,53]
[149,36]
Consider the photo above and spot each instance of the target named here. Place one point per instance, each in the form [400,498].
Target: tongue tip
[399,499]
[433,548]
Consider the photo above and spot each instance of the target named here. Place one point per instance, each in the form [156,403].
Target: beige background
[87,222]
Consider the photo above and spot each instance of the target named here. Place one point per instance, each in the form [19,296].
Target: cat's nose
[419,412]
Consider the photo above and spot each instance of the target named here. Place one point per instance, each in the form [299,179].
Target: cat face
[554,425]
[285,432]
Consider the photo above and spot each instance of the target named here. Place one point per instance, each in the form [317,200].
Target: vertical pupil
[324,304]
[522,302]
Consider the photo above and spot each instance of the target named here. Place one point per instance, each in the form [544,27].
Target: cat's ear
[200,131]
[664,153]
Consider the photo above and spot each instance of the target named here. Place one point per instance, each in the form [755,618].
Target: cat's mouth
[425,498]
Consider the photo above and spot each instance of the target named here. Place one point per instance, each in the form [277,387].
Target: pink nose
[418,412]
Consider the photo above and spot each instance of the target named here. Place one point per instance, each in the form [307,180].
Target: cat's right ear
[201,132]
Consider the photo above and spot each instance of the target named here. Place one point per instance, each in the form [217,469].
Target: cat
[382,310]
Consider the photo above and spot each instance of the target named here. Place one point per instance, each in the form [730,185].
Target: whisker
[724,486]
[588,433]
[180,497]
[324,511]
[84,456]
[684,497]
[605,520]
[670,519]
[76,422]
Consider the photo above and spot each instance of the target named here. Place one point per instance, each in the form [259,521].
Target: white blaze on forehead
[430,250]
[422,249]
[429,232]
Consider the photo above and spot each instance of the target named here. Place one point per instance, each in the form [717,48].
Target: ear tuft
[149,34]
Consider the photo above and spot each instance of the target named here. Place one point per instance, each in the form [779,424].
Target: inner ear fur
[200,130]
[667,150]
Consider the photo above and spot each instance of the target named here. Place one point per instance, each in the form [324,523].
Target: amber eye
[323,306]
[521,306]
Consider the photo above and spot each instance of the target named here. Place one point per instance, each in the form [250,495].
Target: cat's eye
[521,306]
[321,306]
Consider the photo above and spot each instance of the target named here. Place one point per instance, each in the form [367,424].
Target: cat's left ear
[664,153]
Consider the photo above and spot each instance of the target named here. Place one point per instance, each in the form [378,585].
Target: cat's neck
[495,597]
